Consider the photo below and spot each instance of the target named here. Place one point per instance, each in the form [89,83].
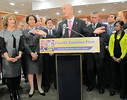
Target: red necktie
[70,26]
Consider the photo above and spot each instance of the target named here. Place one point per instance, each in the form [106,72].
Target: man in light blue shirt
[110,27]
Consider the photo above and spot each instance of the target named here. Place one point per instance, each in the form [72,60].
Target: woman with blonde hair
[11,54]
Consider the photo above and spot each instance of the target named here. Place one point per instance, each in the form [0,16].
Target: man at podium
[69,67]
[72,26]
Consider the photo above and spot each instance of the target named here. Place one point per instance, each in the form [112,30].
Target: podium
[69,76]
[69,66]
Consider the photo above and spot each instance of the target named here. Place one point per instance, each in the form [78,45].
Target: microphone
[64,27]
[74,31]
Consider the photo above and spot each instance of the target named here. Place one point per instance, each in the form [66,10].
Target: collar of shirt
[50,31]
[72,20]
[30,29]
[12,33]
[95,24]
[111,25]
[9,31]
[37,27]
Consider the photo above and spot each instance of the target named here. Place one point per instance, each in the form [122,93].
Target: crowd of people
[20,48]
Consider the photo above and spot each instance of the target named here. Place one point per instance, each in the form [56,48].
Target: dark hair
[95,12]
[120,22]
[48,20]
[27,18]
[114,15]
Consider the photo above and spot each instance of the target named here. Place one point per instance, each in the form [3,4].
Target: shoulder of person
[26,30]
[89,26]
[125,24]
[112,36]
[113,32]
[63,22]
[42,28]
[78,19]
[125,30]
[55,29]
[18,32]
[101,24]
[2,32]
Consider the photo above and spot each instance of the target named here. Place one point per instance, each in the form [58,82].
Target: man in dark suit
[95,60]
[49,59]
[75,24]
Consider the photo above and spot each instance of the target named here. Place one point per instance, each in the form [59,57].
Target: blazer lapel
[66,30]
[98,25]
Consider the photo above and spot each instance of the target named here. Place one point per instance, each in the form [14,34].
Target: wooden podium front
[69,76]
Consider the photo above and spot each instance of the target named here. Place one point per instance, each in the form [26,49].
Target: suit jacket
[54,31]
[102,37]
[125,26]
[30,42]
[78,26]
[42,28]
[53,35]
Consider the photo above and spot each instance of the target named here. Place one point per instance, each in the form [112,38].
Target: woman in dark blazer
[11,54]
[33,60]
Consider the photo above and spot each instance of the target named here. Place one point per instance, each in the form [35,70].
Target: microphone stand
[74,31]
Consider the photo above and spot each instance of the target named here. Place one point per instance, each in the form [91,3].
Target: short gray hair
[95,12]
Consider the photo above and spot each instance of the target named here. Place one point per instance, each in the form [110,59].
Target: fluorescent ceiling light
[37,15]
[12,4]
[57,13]
[103,9]
[123,1]
[16,12]
[48,4]
[22,4]
[79,11]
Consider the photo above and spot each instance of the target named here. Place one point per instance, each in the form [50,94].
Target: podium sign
[70,45]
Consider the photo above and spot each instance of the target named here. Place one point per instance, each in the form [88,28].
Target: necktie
[49,32]
[70,26]
[93,26]
[110,27]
